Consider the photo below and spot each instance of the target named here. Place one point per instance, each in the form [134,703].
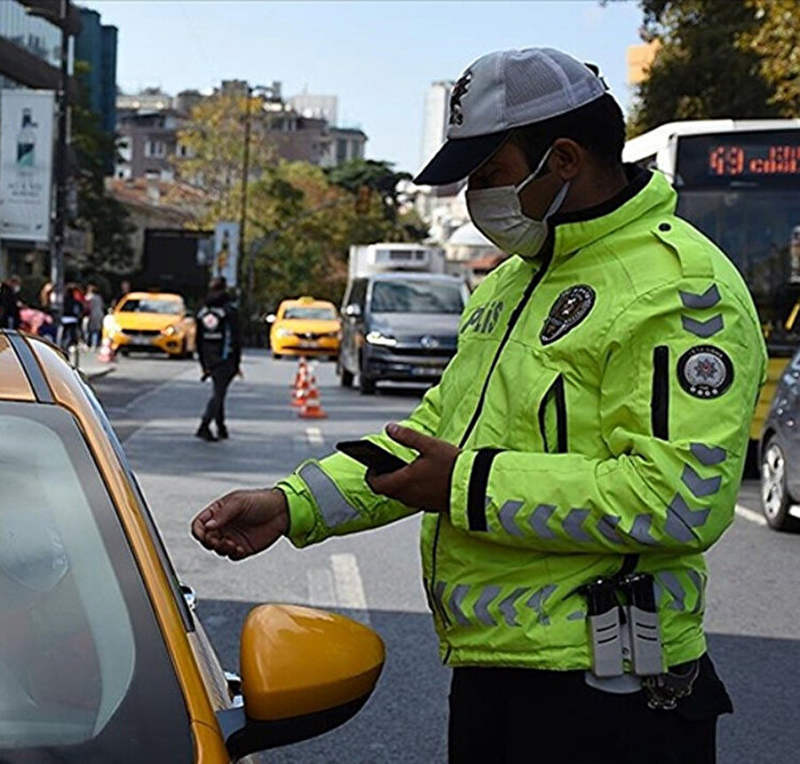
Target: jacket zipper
[512,322]
[556,392]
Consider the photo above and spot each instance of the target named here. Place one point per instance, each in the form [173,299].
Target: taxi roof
[305,300]
[145,295]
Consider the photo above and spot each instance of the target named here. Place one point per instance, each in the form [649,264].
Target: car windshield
[416,296]
[152,305]
[314,313]
[79,648]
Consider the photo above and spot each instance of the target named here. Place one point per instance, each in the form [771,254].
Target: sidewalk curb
[98,373]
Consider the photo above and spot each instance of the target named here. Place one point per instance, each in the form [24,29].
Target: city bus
[738,181]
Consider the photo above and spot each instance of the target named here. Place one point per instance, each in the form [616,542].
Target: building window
[155,149]
[341,151]
[124,149]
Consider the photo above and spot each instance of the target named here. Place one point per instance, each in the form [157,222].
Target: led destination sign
[758,158]
[735,159]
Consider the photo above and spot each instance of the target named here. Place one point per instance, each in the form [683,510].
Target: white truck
[390,257]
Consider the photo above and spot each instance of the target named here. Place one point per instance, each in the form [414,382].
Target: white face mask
[497,214]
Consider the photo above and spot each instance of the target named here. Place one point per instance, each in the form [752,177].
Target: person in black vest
[9,303]
[219,348]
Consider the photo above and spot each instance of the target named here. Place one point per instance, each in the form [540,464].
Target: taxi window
[152,305]
[84,671]
[314,313]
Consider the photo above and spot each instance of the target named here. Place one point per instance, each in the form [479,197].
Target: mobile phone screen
[378,459]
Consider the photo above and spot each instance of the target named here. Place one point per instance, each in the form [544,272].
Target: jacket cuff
[302,515]
[468,489]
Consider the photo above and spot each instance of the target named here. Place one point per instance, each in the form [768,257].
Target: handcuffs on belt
[629,601]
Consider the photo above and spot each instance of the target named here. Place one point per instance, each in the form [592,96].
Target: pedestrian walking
[583,449]
[219,348]
[71,317]
[96,313]
[10,302]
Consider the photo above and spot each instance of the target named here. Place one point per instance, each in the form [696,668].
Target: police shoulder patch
[571,307]
[705,371]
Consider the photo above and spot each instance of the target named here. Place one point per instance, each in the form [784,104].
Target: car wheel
[124,352]
[366,384]
[345,377]
[276,356]
[775,498]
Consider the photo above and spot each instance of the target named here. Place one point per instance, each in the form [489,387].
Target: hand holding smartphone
[378,459]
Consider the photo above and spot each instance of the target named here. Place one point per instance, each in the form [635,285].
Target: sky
[378,56]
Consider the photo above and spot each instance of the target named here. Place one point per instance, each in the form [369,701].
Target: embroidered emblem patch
[459,91]
[571,307]
[705,371]
[211,322]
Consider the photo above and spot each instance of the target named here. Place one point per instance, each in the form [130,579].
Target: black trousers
[523,716]
[221,378]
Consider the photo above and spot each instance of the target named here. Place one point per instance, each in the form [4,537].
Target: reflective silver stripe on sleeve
[707,455]
[333,507]
[708,299]
[674,587]
[700,487]
[573,524]
[681,519]
[456,601]
[508,606]
[438,594]
[506,515]
[578,615]
[699,584]
[538,521]
[608,527]
[537,600]
[487,596]
[641,530]
[704,329]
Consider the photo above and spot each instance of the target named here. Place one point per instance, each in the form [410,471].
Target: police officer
[219,348]
[583,449]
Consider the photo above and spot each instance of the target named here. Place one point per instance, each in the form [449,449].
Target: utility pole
[57,245]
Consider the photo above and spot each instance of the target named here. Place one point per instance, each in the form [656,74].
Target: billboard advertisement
[226,251]
[26,163]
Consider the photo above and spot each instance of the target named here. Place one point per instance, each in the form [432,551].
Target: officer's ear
[567,158]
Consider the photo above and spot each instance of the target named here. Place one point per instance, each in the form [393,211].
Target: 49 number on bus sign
[732,160]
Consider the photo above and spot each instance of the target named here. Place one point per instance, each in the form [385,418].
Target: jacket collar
[646,192]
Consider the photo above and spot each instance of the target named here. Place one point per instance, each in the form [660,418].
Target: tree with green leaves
[704,68]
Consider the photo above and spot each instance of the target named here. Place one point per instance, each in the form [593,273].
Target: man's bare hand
[242,523]
[425,483]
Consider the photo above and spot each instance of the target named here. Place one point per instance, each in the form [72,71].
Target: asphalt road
[753,598]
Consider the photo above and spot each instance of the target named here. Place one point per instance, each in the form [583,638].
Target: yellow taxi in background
[305,326]
[103,657]
[154,321]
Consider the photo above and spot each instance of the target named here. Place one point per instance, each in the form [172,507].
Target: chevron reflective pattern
[708,299]
[700,487]
[641,530]
[506,515]
[508,606]
[709,456]
[573,524]
[675,588]
[538,521]
[681,519]
[487,596]
[699,585]
[457,601]
[704,329]
[608,527]
[536,603]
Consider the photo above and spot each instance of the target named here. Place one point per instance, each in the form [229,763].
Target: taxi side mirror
[304,672]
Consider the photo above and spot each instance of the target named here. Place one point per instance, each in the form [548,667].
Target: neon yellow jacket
[602,398]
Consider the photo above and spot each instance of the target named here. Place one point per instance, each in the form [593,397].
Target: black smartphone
[378,459]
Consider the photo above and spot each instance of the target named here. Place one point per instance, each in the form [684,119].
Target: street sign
[26,163]
[226,251]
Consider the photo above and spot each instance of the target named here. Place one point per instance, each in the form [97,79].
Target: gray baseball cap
[502,91]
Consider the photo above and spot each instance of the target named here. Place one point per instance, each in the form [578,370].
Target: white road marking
[749,514]
[349,588]
[314,436]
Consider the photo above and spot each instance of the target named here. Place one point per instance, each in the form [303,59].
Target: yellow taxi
[152,321]
[305,326]
[102,656]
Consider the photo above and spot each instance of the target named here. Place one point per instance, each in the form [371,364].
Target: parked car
[400,327]
[152,321]
[102,656]
[779,453]
[304,326]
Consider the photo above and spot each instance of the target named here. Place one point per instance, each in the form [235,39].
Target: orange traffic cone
[301,391]
[302,371]
[312,408]
[106,354]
